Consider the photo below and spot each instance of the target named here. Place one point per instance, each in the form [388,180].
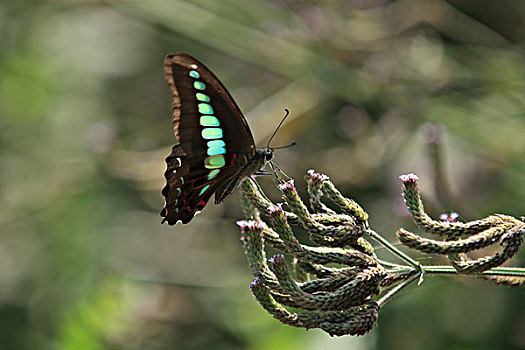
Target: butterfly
[215,148]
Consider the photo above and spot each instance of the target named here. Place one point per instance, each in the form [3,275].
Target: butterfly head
[268,154]
[263,156]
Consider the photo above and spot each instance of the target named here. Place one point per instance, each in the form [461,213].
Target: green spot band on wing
[194,74]
[214,162]
[213,173]
[202,97]
[216,143]
[199,85]
[211,133]
[213,151]
[205,108]
[204,189]
[209,120]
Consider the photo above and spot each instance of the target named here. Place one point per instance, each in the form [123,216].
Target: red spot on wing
[233,159]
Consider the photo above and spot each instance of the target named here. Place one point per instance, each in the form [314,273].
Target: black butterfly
[215,147]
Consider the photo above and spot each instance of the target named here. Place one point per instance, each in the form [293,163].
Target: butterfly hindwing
[188,188]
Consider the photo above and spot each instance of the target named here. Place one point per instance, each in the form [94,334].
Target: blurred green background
[85,125]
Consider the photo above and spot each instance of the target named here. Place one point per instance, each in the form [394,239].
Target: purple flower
[288,185]
[449,217]
[316,176]
[409,178]
[276,259]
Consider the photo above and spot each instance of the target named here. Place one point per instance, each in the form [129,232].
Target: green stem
[377,237]
[390,265]
[385,298]
[440,270]
[497,271]
[449,270]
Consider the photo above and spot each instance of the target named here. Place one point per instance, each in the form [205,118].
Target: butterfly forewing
[212,134]
[203,88]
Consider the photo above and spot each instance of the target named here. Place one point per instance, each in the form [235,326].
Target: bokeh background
[376,89]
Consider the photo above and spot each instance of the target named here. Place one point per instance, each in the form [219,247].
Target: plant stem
[385,298]
[377,237]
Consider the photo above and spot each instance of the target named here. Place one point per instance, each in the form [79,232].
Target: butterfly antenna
[281,147]
[277,129]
